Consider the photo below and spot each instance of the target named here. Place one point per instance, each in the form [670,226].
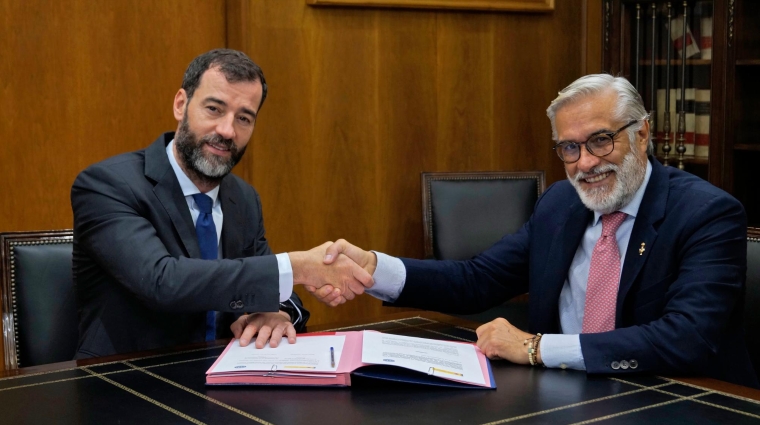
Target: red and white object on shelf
[676,34]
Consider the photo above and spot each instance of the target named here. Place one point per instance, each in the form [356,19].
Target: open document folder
[329,359]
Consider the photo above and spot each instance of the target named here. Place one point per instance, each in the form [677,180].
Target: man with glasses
[630,266]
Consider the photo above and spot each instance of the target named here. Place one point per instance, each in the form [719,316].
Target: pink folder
[350,364]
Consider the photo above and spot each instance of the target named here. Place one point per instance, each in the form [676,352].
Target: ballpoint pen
[332,357]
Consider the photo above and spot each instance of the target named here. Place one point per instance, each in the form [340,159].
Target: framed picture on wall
[507,5]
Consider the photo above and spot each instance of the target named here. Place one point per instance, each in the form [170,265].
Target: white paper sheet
[451,360]
[310,354]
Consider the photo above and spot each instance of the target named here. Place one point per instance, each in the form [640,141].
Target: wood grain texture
[510,5]
[88,80]
[362,101]
[83,81]
[592,37]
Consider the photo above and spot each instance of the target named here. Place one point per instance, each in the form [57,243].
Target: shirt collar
[188,187]
[632,208]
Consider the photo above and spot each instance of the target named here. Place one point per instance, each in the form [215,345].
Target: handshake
[334,272]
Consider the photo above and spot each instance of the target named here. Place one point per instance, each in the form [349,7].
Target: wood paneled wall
[363,100]
[82,80]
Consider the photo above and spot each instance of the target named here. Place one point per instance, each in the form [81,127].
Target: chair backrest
[752,301]
[465,213]
[39,304]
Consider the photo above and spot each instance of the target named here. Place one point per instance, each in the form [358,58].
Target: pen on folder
[332,357]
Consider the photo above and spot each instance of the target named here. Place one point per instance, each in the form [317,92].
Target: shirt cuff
[389,277]
[286,276]
[295,317]
[562,351]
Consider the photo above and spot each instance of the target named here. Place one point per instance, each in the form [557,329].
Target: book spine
[702,139]
[676,34]
[706,38]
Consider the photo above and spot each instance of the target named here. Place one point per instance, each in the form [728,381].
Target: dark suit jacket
[139,278]
[679,307]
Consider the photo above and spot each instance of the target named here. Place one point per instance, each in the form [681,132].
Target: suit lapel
[644,233]
[565,241]
[169,193]
[232,237]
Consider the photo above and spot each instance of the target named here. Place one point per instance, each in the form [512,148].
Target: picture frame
[495,5]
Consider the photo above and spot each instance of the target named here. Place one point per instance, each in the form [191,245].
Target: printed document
[308,354]
[447,359]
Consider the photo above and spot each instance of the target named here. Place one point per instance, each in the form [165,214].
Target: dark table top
[169,387]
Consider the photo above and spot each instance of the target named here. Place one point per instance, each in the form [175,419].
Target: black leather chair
[752,301]
[39,304]
[465,213]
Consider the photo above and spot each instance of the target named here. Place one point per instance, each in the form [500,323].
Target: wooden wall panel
[84,80]
[592,36]
[464,74]
[408,95]
[530,73]
[363,100]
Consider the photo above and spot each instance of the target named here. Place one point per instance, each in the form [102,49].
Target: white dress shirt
[557,350]
[189,189]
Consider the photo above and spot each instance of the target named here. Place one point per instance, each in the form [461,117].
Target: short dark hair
[235,65]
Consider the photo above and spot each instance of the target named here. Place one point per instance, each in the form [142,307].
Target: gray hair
[629,107]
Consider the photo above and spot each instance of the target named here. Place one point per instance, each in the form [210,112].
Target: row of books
[697,108]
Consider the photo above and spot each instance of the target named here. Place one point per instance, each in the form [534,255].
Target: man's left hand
[500,339]
[268,326]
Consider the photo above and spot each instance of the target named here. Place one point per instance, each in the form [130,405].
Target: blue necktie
[206,232]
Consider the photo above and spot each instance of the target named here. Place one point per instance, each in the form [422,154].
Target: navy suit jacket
[680,301]
[141,283]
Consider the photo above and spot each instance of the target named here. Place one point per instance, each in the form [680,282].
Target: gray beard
[628,178]
[210,169]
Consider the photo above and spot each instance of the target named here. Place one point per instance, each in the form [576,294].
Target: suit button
[634,364]
[615,365]
[233,305]
[239,304]
[624,364]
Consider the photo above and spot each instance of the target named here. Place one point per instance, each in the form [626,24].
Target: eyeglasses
[599,144]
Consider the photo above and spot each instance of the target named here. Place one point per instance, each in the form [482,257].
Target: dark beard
[208,168]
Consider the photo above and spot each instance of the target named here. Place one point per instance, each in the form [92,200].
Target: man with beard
[675,305]
[169,248]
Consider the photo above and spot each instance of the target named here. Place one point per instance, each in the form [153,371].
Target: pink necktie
[603,278]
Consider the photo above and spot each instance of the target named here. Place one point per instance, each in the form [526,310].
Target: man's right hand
[332,282]
[365,259]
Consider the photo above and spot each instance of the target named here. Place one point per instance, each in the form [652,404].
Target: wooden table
[169,387]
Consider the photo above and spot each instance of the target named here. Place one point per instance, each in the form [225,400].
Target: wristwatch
[291,310]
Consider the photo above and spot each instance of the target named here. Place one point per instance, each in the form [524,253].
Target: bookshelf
[718,135]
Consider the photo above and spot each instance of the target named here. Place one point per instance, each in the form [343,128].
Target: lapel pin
[642,249]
